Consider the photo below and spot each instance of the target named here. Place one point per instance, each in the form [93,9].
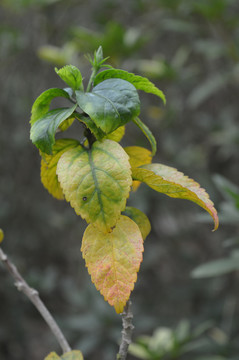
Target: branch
[127,331]
[33,296]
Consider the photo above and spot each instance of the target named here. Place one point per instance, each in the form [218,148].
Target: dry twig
[128,327]
[33,296]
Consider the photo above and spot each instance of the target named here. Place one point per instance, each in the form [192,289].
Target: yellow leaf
[48,167]
[113,260]
[96,181]
[138,156]
[140,219]
[117,134]
[67,123]
[71,355]
[52,356]
[1,235]
[175,184]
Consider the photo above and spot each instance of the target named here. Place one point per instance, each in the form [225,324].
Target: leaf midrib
[107,99]
[92,166]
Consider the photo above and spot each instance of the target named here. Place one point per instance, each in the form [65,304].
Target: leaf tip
[163,98]
[216,221]
[119,307]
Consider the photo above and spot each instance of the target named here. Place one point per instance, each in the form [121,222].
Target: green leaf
[175,184]
[44,129]
[113,260]
[71,76]
[111,104]
[139,82]
[96,181]
[49,163]
[140,219]
[42,103]
[98,133]
[216,268]
[147,133]
[71,355]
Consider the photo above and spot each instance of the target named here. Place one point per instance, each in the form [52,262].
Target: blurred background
[185,302]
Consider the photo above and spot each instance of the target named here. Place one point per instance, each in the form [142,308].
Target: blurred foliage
[229,214]
[203,342]
[118,43]
[190,49]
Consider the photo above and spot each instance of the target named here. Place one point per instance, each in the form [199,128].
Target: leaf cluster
[95,173]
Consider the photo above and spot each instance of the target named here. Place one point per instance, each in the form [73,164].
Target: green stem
[92,78]
[90,137]
[145,130]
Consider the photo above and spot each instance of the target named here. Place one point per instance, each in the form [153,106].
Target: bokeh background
[190,50]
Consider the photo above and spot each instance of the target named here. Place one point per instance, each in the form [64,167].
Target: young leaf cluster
[96,174]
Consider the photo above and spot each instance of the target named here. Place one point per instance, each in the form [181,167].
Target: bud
[99,55]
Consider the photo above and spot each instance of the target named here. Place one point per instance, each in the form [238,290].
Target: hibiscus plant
[96,174]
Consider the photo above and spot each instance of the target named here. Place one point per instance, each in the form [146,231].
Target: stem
[33,296]
[92,77]
[145,130]
[127,331]
[90,137]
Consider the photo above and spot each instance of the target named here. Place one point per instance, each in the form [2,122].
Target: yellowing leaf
[117,134]
[71,355]
[48,167]
[135,185]
[67,123]
[175,184]
[138,156]
[113,260]
[140,219]
[96,181]
[1,235]
[52,356]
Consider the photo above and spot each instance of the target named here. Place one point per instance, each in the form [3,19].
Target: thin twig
[33,296]
[127,331]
